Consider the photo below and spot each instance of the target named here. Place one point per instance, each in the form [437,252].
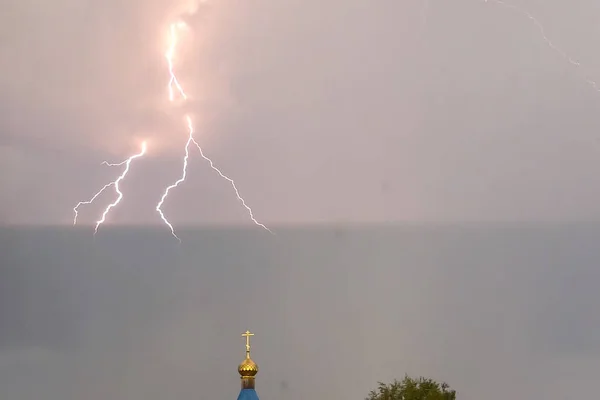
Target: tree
[412,389]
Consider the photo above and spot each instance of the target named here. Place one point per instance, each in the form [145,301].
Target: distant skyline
[345,112]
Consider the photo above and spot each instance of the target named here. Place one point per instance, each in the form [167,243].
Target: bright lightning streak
[545,37]
[212,165]
[113,164]
[113,183]
[173,87]
[174,185]
[173,82]
[116,184]
[90,201]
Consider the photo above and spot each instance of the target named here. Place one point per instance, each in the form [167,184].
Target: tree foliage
[412,389]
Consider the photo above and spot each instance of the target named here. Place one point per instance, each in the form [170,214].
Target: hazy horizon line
[312,225]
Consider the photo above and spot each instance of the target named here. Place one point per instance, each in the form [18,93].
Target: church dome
[248,368]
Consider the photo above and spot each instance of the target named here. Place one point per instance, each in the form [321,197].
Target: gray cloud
[492,310]
[321,112]
[324,112]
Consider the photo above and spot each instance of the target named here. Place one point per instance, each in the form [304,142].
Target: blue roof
[247,394]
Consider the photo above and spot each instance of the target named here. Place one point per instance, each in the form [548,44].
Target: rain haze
[428,168]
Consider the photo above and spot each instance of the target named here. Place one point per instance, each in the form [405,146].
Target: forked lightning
[174,89]
[116,183]
[175,86]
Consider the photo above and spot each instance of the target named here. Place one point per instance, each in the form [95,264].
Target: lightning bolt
[175,87]
[538,25]
[228,179]
[114,164]
[90,201]
[173,82]
[544,36]
[115,183]
[174,185]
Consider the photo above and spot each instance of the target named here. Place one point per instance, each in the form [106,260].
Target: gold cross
[247,335]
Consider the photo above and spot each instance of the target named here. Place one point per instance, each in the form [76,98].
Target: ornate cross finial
[247,335]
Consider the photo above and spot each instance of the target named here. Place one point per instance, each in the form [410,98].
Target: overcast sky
[133,316]
[321,111]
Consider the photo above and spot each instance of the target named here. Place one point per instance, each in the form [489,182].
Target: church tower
[248,370]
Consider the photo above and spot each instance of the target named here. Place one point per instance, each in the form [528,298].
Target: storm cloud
[458,146]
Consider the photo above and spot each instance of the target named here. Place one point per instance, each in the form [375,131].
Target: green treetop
[412,389]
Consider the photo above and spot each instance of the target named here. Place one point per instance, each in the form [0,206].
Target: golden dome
[248,368]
